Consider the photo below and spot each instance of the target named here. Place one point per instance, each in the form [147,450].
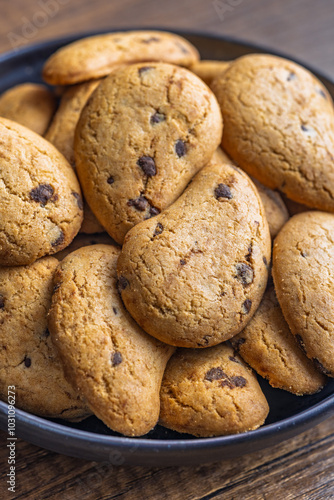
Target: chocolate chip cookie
[194,275]
[116,366]
[28,359]
[146,130]
[303,272]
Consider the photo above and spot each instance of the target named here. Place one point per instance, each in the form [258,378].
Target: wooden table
[302,467]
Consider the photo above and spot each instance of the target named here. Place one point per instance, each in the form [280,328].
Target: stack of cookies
[169,303]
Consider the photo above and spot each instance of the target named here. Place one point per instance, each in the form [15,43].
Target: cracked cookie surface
[194,275]
[115,365]
[279,127]
[97,56]
[143,135]
[211,392]
[29,104]
[303,272]
[28,359]
[40,197]
[269,347]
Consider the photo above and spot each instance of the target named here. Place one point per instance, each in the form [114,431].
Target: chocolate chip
[122,283]
[116,358]
[300,342]
[180,148]
[2,302]
[151,39]
[27,362]
[237,343]
[42,193]
[79,200]
[238,381]
[46,333]
[250,251]
[244,273]
[182,262]
[322,93]
[110,180]
[158,229]
[319,366]
[246,306]
[303,254]
[214,374]
[139,203]
[223,191]
[147,164]
[55,288]
[291,76]
[265,262]
[143,69]
[115,310]
[59,240]
[154,211]
[157,118]
[182,48]
[304,128]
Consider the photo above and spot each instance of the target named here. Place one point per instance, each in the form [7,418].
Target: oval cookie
[97,56]
[28,359]
[303,272]
[279,127]
[113,363]
[211,392]
[29,104]
[194,275]
[269,347]
[144,133]
[40,198]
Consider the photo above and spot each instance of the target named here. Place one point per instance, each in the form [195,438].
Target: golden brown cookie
[85,240]
[209,70]
[40,198]
[303,272]
[211,392]
[96,56]
[28,359]
[279,127]
[144,133]
[29,104]
[269,347]
[61,134]
[274,207]
[113,363]
[194,275]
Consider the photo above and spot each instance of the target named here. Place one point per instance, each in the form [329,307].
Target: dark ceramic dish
[91,439]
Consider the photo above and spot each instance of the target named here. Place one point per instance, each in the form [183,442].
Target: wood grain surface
[301,468]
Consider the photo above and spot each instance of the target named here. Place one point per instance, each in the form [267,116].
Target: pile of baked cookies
[151,298]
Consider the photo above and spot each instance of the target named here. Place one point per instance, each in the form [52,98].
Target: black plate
[91,439]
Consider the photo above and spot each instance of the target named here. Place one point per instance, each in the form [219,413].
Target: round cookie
[61,135]
[303,272]
[40,197]
[116,366]
[209,70]
[96,56]
[85,240]
[274,207]
[269,347]
[143,135]
[211,392]
[28,359]
[194,275]
[29,104]
[279,127]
